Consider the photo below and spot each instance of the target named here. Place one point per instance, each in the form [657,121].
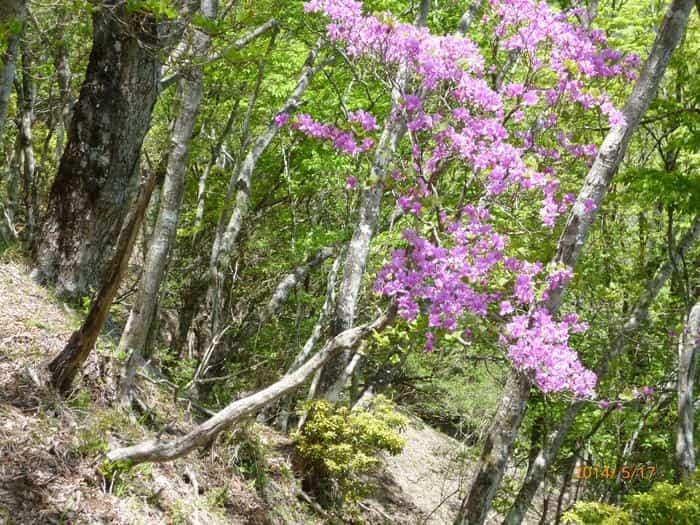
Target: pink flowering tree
[488,127]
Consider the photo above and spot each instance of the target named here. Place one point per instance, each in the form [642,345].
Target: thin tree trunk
[155,451]
[469,17]
[202,183]
[688,347]
[12,190]
[70,360]
[639,314]
[366,225]
[134,337]
[614,496]
[26,97]
[358,248]
[61,60]
[335,391]
[244,134]
[13,10]
[274,304]
[512,407]
[282,419]
[225,241]
[90,195]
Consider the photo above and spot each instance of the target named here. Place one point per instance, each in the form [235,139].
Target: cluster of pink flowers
[507,137]
[449,280]
[445,282]
[540,344]
[343,141]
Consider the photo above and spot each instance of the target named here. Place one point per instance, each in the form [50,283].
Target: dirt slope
[51,450]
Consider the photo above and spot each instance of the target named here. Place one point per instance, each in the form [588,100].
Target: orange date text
[626,473]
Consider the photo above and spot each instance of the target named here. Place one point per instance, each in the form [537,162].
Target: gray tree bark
[12,14]
[215,154]
[9,207]
[61,60]
[90,195]
[638,315]
[134,337]
[688,346]
[224,244]
[512,406]
[370,205]
[26,95]
[64,367]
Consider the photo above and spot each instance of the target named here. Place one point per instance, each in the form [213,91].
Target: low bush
[336,446]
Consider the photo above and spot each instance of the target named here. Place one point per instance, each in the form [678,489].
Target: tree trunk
[639,314]
[282,419]
[202,183]
[12,12]
[496,451]
[615,490]
[133,339]
[91,192]
[688,347]
[511,408]
[61,60]
[278,298]
[366,226]
[26,97]
[153,451]
[69,361]
[225,241]
[9,207]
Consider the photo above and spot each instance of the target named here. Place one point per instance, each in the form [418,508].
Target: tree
[11,26]
[368,215]
[516,392]
[64,366]
[544,458]
[235,210]
[133,339]
[96,177]
[688,346]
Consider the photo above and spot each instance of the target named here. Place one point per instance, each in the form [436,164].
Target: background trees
[298,159]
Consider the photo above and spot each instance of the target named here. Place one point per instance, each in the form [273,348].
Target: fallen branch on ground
[159,451]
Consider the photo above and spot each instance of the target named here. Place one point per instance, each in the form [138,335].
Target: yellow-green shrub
[336,445]
[664,504]
[594,513]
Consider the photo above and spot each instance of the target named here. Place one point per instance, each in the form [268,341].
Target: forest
[341,261]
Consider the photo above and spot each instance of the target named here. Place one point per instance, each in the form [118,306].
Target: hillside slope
[51,449]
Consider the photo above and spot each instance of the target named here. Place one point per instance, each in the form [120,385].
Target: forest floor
[51,449]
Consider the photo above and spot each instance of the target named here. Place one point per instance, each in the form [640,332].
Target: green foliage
[91,442]
[110,469]
[664,504]
[336,446]
[249,456]
[180,370]
[94,429]
[80,400]
[161,9]
[12,251]
[594,513]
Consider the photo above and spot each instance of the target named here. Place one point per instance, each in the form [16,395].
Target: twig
[317,508]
